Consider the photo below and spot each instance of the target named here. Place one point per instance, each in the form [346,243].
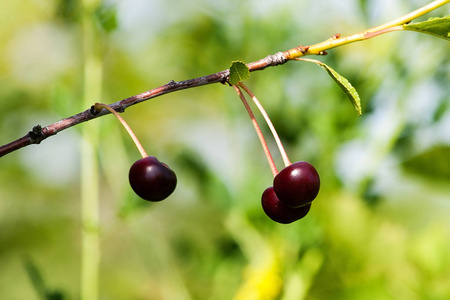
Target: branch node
[225,77]
[303,49]
[94,111]
[36,135]
[276,59]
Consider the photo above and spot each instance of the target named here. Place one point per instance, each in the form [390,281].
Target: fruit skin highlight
[278,211]
[297,185]
[151,179]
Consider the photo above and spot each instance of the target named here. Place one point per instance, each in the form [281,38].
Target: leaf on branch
[439,27]
[238,72]
[346,86]
[343,83]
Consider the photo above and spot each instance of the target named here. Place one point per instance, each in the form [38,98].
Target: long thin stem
[258,131]
[98,107]
[90,202]
[283,153]
[411,16]
[90,231]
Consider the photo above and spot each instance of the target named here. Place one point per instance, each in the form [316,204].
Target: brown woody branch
[38,133]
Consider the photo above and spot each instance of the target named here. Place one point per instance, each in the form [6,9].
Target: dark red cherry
[151,179]
[279,211]
[297,184]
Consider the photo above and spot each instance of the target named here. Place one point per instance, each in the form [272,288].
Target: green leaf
[346,86]
[343,83]
[439,27]
[238,72]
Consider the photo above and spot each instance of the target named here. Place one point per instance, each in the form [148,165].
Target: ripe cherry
[280,212]
[151,179]
[297,184]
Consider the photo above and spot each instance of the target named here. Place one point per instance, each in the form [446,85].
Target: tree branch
[38,134]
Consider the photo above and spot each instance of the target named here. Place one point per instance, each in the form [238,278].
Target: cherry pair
[294,188]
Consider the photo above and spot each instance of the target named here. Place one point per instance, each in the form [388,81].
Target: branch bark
[38,134]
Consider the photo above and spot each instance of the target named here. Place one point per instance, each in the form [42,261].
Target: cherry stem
[283,153]
[99,106]
[258,131]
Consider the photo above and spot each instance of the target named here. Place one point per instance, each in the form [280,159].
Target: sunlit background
[379,229]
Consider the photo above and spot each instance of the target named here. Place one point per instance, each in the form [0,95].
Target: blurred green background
[379,229]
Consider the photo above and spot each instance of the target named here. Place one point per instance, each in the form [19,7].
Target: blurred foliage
[38,282]
[67,11]
[106,17]
[211,239]
[433,163]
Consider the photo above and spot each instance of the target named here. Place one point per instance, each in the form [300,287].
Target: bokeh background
[71,228]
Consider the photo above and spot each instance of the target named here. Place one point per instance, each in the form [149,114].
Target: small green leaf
[346,86]
[238,72]
[343,83]
[439,27]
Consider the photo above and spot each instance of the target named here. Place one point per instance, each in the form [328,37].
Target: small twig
[336,41]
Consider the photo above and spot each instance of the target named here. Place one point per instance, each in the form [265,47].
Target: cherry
[280,212]
[297,184]
[151,179]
